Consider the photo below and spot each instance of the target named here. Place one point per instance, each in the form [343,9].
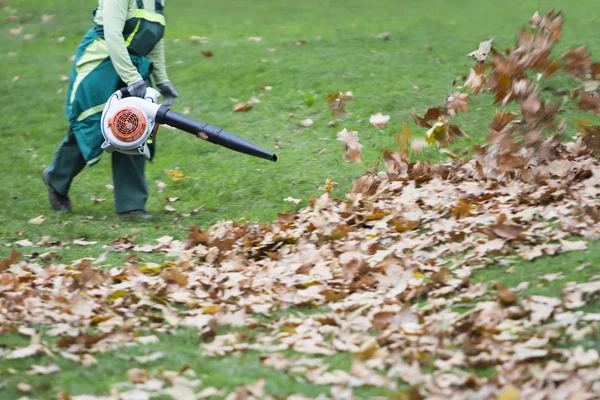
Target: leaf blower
[129,122]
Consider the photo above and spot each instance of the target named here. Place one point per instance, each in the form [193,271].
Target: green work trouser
[131,188]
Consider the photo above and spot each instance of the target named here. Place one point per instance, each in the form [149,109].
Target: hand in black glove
[168,92]
[137,89]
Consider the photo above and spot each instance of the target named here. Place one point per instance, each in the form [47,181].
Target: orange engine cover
[128,124]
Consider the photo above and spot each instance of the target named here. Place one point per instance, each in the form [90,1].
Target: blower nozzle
[212,134]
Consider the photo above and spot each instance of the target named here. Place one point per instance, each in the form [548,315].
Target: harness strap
[158,6]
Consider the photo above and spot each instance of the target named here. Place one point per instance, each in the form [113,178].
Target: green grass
[429,41]
[225,372]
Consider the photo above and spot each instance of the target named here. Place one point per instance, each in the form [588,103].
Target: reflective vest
[143,31]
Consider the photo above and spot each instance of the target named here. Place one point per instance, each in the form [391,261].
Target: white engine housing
[133,114]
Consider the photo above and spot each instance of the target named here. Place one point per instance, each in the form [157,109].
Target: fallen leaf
[37,220]
[176,175]
[305,123]
[242,106]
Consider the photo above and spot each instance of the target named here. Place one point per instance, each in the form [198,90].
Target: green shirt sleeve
[157,55]
[114,17]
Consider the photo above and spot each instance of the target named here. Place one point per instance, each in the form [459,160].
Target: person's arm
[114,16]
[159,72]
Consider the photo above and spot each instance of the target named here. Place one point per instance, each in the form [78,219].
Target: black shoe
[57,200]
[138,214]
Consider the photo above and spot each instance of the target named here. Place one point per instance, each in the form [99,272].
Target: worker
[124,48]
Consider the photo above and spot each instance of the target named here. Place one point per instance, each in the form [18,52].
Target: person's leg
[131,188]
[66,164]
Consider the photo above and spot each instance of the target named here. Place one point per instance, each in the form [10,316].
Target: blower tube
[212,134]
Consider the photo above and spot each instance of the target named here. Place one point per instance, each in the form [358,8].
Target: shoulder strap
[158,6]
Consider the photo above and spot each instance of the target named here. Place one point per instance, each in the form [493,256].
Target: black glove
[168,92]
[137,89]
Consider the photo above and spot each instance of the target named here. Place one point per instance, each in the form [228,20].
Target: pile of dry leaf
[415,233]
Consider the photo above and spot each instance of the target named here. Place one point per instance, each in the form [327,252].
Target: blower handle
[124,93]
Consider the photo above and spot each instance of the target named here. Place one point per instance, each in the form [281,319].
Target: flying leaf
[379,121]
[403,138]
[351,146]
[337,103]
[457,102]
[482,52]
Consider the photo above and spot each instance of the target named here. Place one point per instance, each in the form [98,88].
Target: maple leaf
[590,102]
[137,375]
[337,103]
[578,62]
[37,220]
[175,175]
[506,296]
[403,139]
[292,200]
[417,145]
[351,146]
[482,52]
[242,106]
[475,81]
[456,103]
[198,39]
[509,393]
[379,121]
[438,133]
[418,120]
[501,120]
[305,123]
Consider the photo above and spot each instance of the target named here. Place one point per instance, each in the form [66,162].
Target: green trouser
[131,188]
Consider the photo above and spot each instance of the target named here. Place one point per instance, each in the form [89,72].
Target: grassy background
[428,45]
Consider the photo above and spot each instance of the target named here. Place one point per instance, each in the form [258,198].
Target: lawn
[307,50]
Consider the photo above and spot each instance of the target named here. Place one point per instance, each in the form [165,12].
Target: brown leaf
[501,120]
[482,52]
[590,102]
[242,106]
[420,121]
[475,81]
[505,295]
[337,103]
[457,102]
[7,262]
[434,113]
[137,375]
[403,139]
[351,146]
